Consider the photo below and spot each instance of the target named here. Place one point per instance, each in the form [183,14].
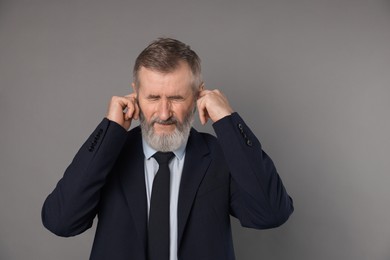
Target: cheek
[146,110]
[182,110]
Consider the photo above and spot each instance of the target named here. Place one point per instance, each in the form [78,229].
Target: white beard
[167,142]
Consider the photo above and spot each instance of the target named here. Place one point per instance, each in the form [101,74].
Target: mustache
[169,121]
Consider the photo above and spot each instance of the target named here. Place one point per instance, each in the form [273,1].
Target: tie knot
[163,158]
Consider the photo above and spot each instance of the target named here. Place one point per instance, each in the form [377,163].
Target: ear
[201,87]
[134,88]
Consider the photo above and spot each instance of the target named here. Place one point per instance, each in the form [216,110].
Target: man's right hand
[123,110]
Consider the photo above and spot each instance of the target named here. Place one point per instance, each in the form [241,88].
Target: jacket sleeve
[71,207]
[258,197]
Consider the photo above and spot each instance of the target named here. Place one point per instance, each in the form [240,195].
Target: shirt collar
[149,151]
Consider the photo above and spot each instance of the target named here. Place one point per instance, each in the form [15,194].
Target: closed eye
[176,98]
[153,97]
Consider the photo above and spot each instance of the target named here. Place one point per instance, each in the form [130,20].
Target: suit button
[249,142]
[241,128]
[91,148]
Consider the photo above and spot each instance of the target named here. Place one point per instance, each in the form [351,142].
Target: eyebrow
[169,97]
[176,97]
[153,96]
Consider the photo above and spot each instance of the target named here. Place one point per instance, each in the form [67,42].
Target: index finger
[203,92]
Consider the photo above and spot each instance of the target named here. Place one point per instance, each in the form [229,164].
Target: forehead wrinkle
[166,88]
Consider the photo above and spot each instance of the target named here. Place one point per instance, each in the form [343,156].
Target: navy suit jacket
[228,175]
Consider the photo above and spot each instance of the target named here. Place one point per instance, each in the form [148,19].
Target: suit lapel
[133,182]
[195,166]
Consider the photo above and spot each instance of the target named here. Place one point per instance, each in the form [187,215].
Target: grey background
[312,79]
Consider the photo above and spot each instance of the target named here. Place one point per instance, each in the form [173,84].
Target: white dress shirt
[176,168]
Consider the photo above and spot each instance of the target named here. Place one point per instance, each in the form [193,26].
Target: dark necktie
[158,230]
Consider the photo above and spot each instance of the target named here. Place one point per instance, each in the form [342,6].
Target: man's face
[166,102]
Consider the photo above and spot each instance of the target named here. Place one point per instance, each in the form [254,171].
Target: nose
[164,110]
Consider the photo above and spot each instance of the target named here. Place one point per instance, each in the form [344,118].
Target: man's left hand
[212,104]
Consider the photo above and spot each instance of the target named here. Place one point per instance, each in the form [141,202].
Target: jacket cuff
[232,126]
